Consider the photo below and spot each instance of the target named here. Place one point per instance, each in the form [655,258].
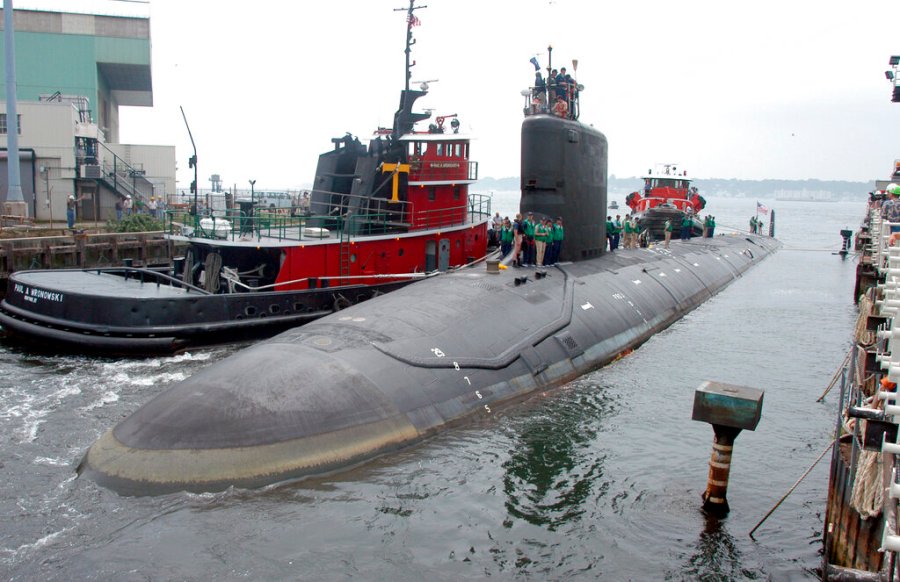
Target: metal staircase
[118,176]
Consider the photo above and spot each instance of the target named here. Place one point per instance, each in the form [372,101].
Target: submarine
[388,373]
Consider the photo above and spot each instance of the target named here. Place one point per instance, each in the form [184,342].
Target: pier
[84,250]
[861,537]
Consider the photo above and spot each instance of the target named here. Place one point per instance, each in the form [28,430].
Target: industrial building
[74,71]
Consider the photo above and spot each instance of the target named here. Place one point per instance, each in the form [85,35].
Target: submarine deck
[388,373]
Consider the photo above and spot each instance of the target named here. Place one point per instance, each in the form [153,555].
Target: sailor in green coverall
[558,235]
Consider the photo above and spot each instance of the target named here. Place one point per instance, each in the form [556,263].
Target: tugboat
[668,195]
[380,216]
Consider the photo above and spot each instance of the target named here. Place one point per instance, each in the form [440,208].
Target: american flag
[760,209]
[413,20]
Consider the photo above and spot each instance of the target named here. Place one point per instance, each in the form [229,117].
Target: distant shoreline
[716,186]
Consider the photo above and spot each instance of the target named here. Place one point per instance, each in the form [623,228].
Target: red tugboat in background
[668,195]
[379,217]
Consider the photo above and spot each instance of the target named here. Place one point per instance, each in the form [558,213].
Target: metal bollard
[845,246]
[729,409]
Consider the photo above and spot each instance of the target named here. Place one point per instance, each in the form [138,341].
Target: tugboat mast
[411,20]
[405,119]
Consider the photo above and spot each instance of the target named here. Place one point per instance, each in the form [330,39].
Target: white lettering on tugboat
[33,294]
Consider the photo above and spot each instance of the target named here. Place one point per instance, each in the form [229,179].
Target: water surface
[599,478]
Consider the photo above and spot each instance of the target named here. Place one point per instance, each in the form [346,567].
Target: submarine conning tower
[564,174]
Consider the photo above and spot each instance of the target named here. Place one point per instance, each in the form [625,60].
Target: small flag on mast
[413,20]
[760,209]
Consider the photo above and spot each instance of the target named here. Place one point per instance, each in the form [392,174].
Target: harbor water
[600,478]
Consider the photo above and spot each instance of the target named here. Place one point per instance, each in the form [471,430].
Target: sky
[790,89]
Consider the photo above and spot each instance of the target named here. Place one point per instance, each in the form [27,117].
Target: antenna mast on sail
[411,21]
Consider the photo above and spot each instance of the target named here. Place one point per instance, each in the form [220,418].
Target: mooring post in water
[729,409]
[846,234]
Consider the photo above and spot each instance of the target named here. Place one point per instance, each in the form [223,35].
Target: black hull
[391,372]
[101,312]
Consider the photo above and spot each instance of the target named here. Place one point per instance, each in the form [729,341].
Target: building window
[3,125]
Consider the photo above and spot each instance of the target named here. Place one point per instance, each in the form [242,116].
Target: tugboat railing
[237,225]
[539,100]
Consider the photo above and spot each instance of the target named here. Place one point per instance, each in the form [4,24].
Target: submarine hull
[392,371]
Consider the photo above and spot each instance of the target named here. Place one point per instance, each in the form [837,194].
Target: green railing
[276,225]
[264,224]
[479,207]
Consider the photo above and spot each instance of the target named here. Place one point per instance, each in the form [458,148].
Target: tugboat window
[440,149]
[353,258]
[456,192]
[458,150]
[431,194]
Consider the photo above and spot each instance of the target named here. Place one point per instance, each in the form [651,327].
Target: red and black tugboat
[380,216]
[668,195]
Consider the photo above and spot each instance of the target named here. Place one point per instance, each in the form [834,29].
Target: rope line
[794,486]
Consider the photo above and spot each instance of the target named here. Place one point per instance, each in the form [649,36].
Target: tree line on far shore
[717,186]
